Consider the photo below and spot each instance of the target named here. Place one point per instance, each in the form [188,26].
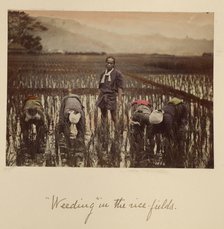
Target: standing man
[110,99]
[111,89]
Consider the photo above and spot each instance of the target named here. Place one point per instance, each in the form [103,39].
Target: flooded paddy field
[47,76]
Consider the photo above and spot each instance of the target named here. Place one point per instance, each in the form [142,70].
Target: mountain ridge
[72,36]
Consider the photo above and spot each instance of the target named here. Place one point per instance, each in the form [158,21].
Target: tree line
[21,31]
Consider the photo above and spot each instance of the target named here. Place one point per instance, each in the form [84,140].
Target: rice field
[47,76]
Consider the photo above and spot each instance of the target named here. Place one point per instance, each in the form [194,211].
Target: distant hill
[71,36]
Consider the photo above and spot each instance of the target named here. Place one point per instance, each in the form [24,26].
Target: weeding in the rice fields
[47,76]
[146,123]
[139,124]
[47,55]
[71,130]
[34,132]
[172,123]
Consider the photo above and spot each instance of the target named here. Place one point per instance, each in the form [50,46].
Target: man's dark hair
[110,57]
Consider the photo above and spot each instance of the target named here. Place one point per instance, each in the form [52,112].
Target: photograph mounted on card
[110,114]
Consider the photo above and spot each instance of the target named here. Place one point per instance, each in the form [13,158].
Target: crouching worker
[34,129]
[72,125]
[171,122]
[140,111]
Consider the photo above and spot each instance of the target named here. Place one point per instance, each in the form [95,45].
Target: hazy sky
[178,25]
